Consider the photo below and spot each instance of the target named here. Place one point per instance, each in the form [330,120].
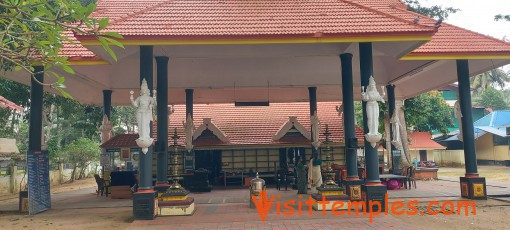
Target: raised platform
[426,174]
[177,207]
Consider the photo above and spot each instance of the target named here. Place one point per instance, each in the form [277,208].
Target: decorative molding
[207,124]
[292,122]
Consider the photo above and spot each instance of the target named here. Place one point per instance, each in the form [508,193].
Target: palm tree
[491,78]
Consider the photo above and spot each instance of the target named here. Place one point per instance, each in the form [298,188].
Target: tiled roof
[449,39]
[250,18]
[423,140]
[121,141]
[257,125]
[4,103]
[74,51]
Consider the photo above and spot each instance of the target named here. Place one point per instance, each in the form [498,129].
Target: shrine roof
[4,103]
[423,140]
[125,140]
[258,125]
[252,19]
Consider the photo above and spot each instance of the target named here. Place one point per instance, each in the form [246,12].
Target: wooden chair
[410,177]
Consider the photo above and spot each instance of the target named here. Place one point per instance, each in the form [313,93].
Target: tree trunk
[75,166]
[403,136]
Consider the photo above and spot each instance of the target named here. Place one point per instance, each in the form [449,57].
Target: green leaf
[104,44]
[113,34]
[115,42]
[67,69]
[64,93]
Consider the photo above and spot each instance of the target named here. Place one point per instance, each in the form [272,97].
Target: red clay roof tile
[249,17]
[449,39]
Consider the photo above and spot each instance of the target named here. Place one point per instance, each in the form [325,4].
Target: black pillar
[391,109]
[471,185]
[312,92]
[162,108]
[36,107]
[373,190]
[366,70]
[147,73]
[189,102]
[467,117]
[107,103]
[349,126]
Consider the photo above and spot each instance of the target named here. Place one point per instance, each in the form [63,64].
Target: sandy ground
[491,214]
[491,173]
[85,218]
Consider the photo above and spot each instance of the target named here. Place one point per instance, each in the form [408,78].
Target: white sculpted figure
[189,128]
[144,104]
[395,122]
[458,115]
[371,96]
[106,129]
[316,129]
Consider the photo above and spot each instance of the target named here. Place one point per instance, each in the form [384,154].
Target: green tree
[432,11]
[492,98]
[427,112]
[502,17]
[81,153]
[34,31]
[489,79]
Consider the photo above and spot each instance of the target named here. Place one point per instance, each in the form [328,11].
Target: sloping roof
[258,125]
[495,122]
[499,118]
[423,140]
[448,40]
[121,141]
[4,103]
[250,18]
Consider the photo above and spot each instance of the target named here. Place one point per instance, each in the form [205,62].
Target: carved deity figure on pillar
[316,129]
[106,129]
[458,115]
[372,97]
[144,104]
[395,126]
[189,128]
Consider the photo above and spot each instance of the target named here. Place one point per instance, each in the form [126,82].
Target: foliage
[34,32]
[489,79]
[81,153]
[502,17]
[491,98]
[427,112]
[432,11]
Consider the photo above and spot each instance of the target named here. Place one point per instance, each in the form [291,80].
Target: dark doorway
[423,155]
[210,160]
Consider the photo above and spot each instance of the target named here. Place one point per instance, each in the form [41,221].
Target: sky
[478,16]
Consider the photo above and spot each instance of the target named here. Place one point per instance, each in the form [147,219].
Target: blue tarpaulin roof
[495,123]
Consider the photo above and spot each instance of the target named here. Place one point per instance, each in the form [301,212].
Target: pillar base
[161,188]
[371,193]
[473,188]
[353,188]
[145,205]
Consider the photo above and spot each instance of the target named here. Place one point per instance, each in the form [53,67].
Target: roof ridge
[389,15]
[144,10]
